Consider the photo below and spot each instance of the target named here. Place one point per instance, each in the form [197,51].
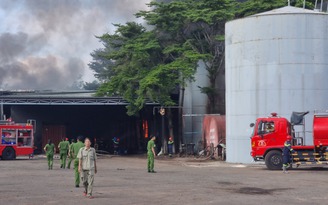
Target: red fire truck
[271,132]
[16,139]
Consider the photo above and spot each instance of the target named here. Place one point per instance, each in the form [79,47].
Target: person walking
[75,150]
[170,146]
[286,154]
[50,151]
[70,155]
[87,166]
[151,154]
[63,149]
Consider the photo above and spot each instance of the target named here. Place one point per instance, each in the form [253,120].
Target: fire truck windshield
[265,127]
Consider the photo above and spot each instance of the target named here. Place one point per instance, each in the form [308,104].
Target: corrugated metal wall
[53,132]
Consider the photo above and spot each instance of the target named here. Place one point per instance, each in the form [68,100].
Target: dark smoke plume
[46,44]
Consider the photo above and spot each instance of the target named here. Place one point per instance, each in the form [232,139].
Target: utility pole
[162,111]
[164,141]
[180,121]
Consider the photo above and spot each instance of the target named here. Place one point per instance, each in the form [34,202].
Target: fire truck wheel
[8,153]
[273,160]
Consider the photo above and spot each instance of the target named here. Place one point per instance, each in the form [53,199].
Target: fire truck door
[267,133]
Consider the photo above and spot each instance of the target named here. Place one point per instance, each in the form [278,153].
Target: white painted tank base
[275,62]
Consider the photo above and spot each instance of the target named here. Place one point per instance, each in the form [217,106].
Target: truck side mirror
[251,125]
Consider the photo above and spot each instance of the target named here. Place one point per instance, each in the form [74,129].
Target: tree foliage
[141,67]
[94,85]
[140,64]
[201,24]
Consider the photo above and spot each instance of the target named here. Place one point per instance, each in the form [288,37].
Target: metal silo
[276,61]
[194,107]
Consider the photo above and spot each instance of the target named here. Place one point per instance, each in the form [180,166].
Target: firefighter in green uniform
[63,149]
[170,144]
[75,150]
[50,150]
[151,154]
[70,155]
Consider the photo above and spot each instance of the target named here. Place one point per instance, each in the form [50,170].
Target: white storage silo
[276,61]
[194,107]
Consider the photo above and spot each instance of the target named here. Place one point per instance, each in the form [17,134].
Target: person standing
[116,145]
[70,155]
[75,150]
[151,154]
[87,166]
[63,149]
[286,154]
[50,150]
[170,146]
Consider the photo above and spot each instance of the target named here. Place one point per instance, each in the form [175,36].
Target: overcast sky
[46,44]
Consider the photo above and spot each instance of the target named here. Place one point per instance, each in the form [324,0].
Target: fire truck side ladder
[300,157]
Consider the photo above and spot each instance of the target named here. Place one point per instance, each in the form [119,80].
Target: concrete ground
[125,180]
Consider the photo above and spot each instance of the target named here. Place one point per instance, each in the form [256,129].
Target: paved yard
[125,180]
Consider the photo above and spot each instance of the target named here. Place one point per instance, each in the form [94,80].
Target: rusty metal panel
[53,132]
[214,129]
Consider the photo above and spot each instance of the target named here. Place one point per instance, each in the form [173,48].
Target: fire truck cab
[270,133]
[16,139]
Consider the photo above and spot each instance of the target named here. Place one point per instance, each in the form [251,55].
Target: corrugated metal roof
[31,97]
[47,93]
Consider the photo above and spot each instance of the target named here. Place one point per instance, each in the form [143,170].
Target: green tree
[140,67]
[201,24]
[102,66]
[94,85]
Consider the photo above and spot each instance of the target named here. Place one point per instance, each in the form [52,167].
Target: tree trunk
[139,135]
[180,138]
[211,95]
[164,138]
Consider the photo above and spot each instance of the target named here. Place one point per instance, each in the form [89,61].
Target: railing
[321,5]
[299,139]
[66,101]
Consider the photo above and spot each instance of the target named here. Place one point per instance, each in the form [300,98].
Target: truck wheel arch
[8,153]
[273,159]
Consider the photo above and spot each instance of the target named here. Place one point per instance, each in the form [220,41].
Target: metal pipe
[321,5]
[1,111]
[163,136]
[199,115]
